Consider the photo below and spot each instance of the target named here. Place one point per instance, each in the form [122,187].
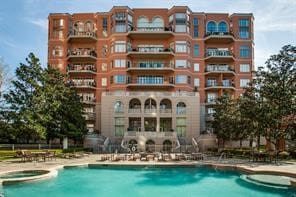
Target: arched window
[142,22]
[79,26]
[167,146]
[150,146]
[222,27]
[135,104]
[150,104]
[211,27]
[89,26]
[118,107]
[181,108]
[165,106]
[132,145]
[157,22]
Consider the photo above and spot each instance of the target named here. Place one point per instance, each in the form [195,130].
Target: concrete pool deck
[244,166]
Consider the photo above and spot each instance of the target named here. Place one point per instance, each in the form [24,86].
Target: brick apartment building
[149,77]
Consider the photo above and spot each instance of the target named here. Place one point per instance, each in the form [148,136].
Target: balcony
[216,69]
[88,101]
[82,55]
[134,110]
[221,55]
[159,67]
[150,82]
[89,116]
[225,84]
[150,31]
[151,134]
[82,36]
[209,117]
[210,101]
[219,38]
[151,52]
[80,68]
[83,84]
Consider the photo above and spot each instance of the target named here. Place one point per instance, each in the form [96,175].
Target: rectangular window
[104,81]
[57,23]
[181,47]
[120,63]
[120,27]
[181,127]
[58,34]
[244,51]
[245,68]
[196,82]
[119,126]
[104,67]
[57,51]
[180,28]
[244,28]
[244,82]
[195,27]
[119,79]
[181,79]
[211,97]
[105,24]
[120,47]
[196,67]
[196,50]
[181,63]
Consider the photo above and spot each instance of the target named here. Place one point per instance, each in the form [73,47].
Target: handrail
[195,144]
[178,144]
[106,143]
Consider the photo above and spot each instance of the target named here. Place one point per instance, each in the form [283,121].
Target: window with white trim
[104,81]
[120,47]
[244,82]
[245,68]
[196,82]
[119,63]
[196,67]
[181,47]
[181,63]
[181,79]
[119,79]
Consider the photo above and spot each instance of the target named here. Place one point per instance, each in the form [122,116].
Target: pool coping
[53,171]
[50,174]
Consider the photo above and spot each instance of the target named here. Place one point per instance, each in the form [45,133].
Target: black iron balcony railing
[151,65]
[217,33]
[82,52]
[81,67]
[218,68]
[79,34]
[218,52]
[151,49]
[82,83]
[224,83]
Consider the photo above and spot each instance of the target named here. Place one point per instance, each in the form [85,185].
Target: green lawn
[10,154]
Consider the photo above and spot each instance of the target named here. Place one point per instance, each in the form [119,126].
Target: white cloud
[43,23]
[277,15]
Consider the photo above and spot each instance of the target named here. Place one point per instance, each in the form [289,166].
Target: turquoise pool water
[155,182]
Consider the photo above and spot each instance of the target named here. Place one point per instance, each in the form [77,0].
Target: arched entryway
[150,146]
[132,145]
[167,146]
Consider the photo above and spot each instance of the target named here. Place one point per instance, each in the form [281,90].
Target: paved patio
[282,168]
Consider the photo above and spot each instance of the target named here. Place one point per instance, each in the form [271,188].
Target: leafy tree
[21,109]
[41,104]
[277,87]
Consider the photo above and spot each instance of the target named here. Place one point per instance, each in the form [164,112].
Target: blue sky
[23,23]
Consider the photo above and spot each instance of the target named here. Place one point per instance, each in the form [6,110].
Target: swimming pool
[142,181]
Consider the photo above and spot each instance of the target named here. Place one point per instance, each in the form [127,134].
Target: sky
[23,23]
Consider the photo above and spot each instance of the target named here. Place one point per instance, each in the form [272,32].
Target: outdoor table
[39,154]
